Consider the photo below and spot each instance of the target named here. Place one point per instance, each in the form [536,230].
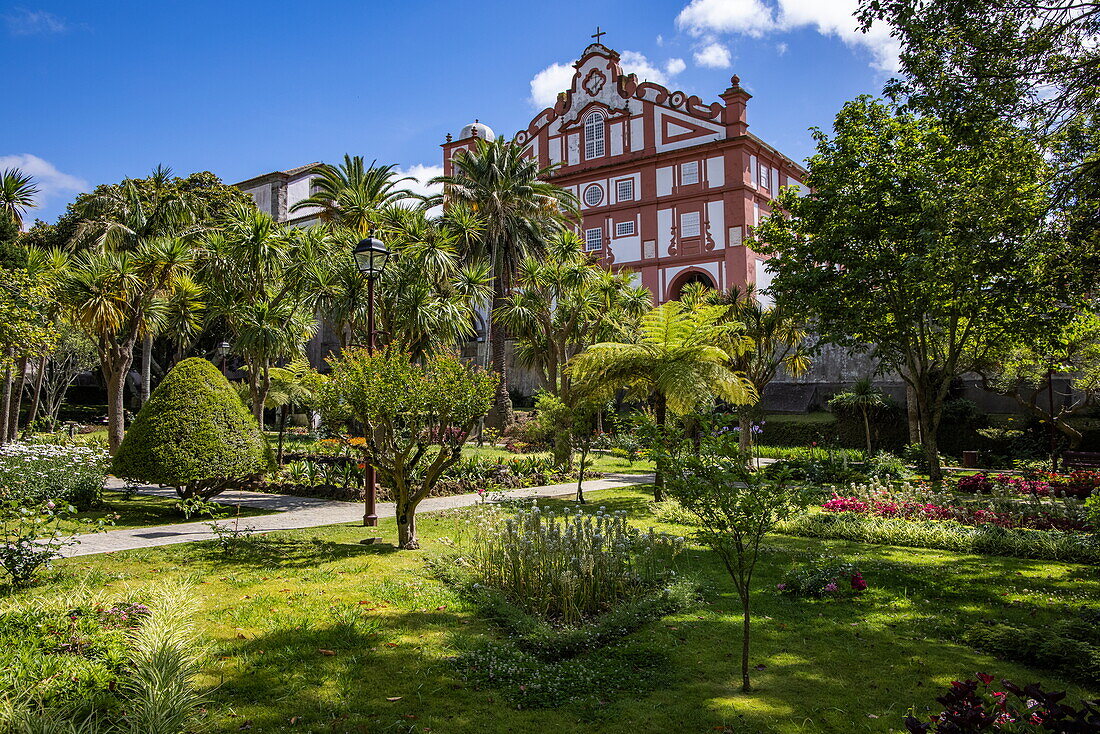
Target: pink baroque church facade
[669,188]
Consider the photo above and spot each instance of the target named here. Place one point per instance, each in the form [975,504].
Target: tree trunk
[580,472]
[115,371]
[745,685]
[867,431]
[146,369]
[36,397]
[929,423]
[17,398]
[501,415]
[744,438]
[913,413]
[406,526]
[5,403]
[659,474]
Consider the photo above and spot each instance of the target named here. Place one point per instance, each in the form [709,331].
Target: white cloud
[675,66]
[556,78]
[755,18]
[548,82]
[24,22]
[713,55]
[50,181]
[422,174]
[781,48]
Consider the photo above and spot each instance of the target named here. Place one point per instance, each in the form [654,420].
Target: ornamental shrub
[194,434]
[823,578]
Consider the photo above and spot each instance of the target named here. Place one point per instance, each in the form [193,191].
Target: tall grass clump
[146,685]
[570,566]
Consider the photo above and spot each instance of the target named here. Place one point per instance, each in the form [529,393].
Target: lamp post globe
[371,256]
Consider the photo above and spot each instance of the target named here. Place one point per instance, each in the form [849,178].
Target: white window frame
[691,224]
[593,239]
[693,167]
[625,229]
[593,187]
[628,184]
[594,135]
[764,181]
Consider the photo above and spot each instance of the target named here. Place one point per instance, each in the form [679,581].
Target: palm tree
[122,216]
[350,195]
[259,286]
[17,191]
[291,386]
[565,302]
[520,211]
[779,341]
[118,297]
[864,397]
[680,360]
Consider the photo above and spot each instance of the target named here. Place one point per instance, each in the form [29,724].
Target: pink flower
[781,587]
[831,587]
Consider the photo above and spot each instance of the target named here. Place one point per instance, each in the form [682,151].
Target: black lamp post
[222,352]
[370,257]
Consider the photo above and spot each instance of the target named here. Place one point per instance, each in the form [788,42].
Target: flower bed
[1080,484]
[915,502]
[32,474]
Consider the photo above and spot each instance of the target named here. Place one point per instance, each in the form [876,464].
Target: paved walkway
[301,512]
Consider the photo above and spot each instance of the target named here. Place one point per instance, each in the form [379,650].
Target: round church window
[593,195]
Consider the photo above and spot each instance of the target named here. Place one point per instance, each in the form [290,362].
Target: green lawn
[312,632]
[142,511]
[600,462]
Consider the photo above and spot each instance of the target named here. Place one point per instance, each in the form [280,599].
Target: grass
[141,511]
[600,462]
[313,632]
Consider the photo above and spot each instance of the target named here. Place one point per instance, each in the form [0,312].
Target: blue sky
[99,91]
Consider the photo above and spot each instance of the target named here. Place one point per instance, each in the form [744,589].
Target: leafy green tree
[415,417]
[736,508]
[24,331]
[925,249]
[680,360]
[1024,370]
[72,353]
[863,397]
[17,191]
[12,253]
[351,195]
[520,212]
[565,302]
[194,434]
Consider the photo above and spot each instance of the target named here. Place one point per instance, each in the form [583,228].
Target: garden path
[292,512]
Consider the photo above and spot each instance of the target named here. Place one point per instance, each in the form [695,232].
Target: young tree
[736,508]
[72,354]
[24,331]
[293,386]
[680,360]
[519,211]
[350,195]
[863,397]
[927,248]
[415,418]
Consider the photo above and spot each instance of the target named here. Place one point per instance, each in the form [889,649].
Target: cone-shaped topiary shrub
[194,434]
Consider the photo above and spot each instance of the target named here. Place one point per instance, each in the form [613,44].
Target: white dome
[479,129]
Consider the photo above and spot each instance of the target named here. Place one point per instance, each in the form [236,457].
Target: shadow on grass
[277,551]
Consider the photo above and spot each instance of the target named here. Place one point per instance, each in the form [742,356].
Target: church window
[689,224]
[593,239]
[593,135]
[625,189]
[689,173]
[593,195]
[624,229]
